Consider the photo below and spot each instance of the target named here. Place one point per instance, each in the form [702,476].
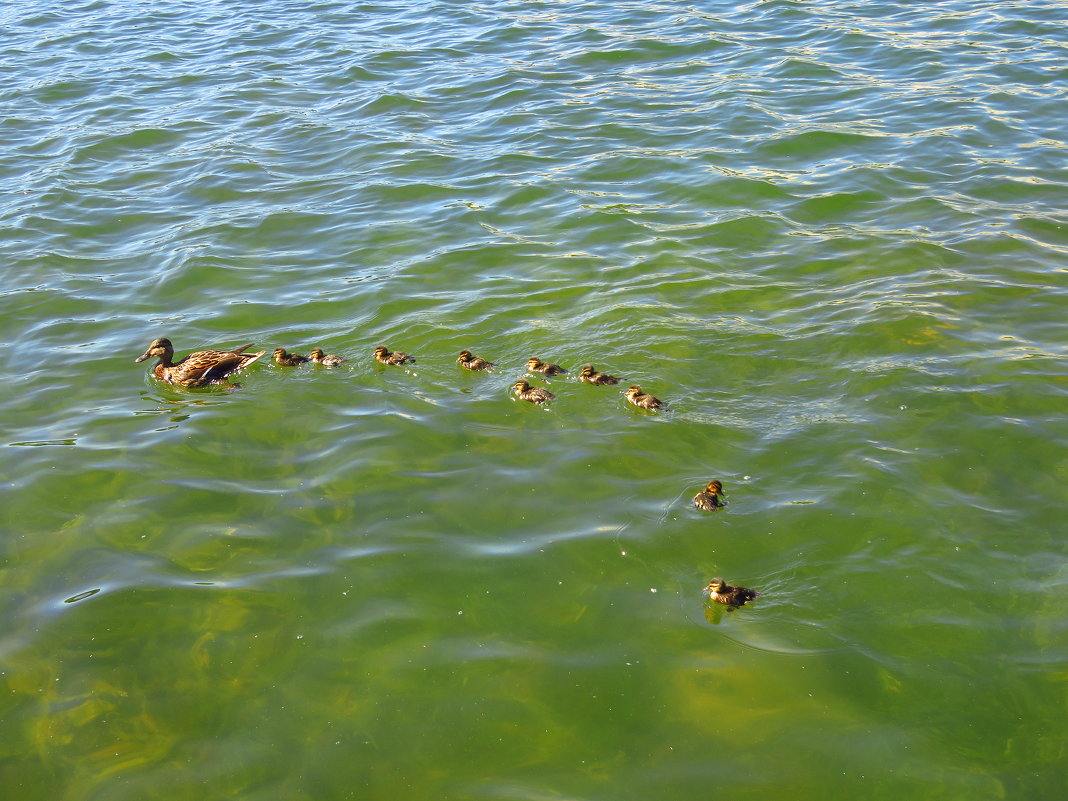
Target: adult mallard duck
[197,369]
[465,359]
[286,359]
[386,356]
[536,365]
[710,498]
[325,359]
[591,376]
[638,398]
[524,391]
[723,593]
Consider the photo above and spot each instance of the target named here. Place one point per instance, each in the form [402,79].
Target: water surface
[831,235]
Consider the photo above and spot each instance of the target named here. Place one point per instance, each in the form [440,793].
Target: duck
[536,365]
[386,356]
[286,359]
[710,498]
[591,376]
[723,593]
[524,391]
[325,359]
[638,398]
[199,368]
[465,359]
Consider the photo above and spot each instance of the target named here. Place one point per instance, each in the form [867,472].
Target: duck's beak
[142,357]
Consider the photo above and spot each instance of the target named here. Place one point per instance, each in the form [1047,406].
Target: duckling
[326,360]
[591,376]
[723,593]
[525,391]
[710,498]
[287,359]
[473,362]
[638,398]
[536,365]
[385,356]
[199,368]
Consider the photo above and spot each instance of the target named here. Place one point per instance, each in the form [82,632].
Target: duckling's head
[533,363]
[587,369]
[521,385]
[381,351]
[465,356]
[317,353]
[633,390]
[714,487]
[160,348]
[715,585]
[280,353]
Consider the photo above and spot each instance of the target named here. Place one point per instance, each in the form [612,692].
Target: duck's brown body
[536,365]
[723,593]
[465,359]
[638,398]
[710,498]
[591,376]
[200,368]
[287,359]
[524,391]
[325,359]
[395,357]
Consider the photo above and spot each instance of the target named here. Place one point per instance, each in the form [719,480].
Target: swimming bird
[386,356]
[286,359]
[638,398]
[199,368]
[326,360]
[710,498]
[536,365]
[473,362]
[524,391]
[591,376]
[723,593]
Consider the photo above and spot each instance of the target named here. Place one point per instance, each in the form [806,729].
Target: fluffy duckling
[591,376]
[472,362]
[385,356]
[723,593]
[710,498]
[287,359]
[536,365]
[199,368]
[325,359]
[525,391]
[638,398]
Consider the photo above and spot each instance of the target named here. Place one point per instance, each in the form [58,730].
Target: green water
[831,235]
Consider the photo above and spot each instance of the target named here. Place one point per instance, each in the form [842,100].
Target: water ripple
[830,235]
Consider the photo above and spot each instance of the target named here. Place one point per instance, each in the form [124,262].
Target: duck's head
[633,390]
[715,585]
[280,353]
[533,363]
[715,487]
[521,385]
[381,351]
[317,353]
[160,348]
[587,369]
[465,356]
